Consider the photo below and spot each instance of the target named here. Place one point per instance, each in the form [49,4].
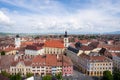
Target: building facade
[22,67]
[116,60]
[34,50]
[42,65]
[95,65]
[54,47]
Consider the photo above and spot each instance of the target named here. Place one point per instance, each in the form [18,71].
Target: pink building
[67,70]
[67,66]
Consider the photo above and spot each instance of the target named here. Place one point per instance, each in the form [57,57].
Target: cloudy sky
[56,16]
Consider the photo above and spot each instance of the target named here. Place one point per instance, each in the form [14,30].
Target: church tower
[66,40]
[17,41]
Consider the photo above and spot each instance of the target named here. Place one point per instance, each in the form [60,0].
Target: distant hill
[115,32]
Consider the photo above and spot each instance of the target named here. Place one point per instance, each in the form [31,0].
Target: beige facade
[20,67]
[50,50]
[81,51]
[11,52]
[97,69]
[95,65]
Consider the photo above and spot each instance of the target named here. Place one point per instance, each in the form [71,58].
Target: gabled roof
[95,58]
[9,49]
[26,63]
[33,47]
[6,61]
[50,60]
[86,48]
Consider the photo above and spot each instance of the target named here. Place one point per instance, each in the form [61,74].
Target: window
[33,70]
[33,67]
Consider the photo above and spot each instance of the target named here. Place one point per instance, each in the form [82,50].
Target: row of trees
[19,77]
[2,53]
[108,76]
[16,76]
[49,77]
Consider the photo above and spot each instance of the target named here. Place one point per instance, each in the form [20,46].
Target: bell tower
[66,40]
[17,41]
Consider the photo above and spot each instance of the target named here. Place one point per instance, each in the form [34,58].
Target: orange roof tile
[9,49]
[84,41]
[50,60]
[54,43]
[27,63]
[94,58]
[26,43]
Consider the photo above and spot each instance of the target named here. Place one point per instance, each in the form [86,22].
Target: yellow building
[22,67]
[95,65]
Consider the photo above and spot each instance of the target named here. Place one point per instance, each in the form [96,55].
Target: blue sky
[56,16]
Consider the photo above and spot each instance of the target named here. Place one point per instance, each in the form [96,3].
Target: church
[56,46]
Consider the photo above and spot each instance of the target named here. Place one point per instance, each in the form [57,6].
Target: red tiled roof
[6,61]
[50,60]
[94,58]
[9,49]
[26,63]
[94,44]
[54,43]
[26,43]
[86,48]
[33,47]
[115,48]
[38,61]
[115,54]
[84,41]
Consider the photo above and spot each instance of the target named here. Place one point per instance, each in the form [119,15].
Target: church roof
[54,43]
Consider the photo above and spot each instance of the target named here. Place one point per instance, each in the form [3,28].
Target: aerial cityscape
[59,40]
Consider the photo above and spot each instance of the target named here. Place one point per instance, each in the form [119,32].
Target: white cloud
[102,16]
[5,20]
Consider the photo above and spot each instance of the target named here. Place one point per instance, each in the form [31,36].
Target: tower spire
[66,40]
[65,34]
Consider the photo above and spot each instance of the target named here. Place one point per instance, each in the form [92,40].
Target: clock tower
[17,41]
[66,40]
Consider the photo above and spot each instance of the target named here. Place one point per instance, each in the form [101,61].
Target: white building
[116,60]
[34,50]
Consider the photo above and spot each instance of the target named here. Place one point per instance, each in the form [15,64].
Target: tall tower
[17,41]
[66,40]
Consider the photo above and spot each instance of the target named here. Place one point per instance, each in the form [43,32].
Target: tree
[29,75]
[47,77]
[58,76]
[116,76]
[16,77]
[3,53]
[4,73]
[107,75]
